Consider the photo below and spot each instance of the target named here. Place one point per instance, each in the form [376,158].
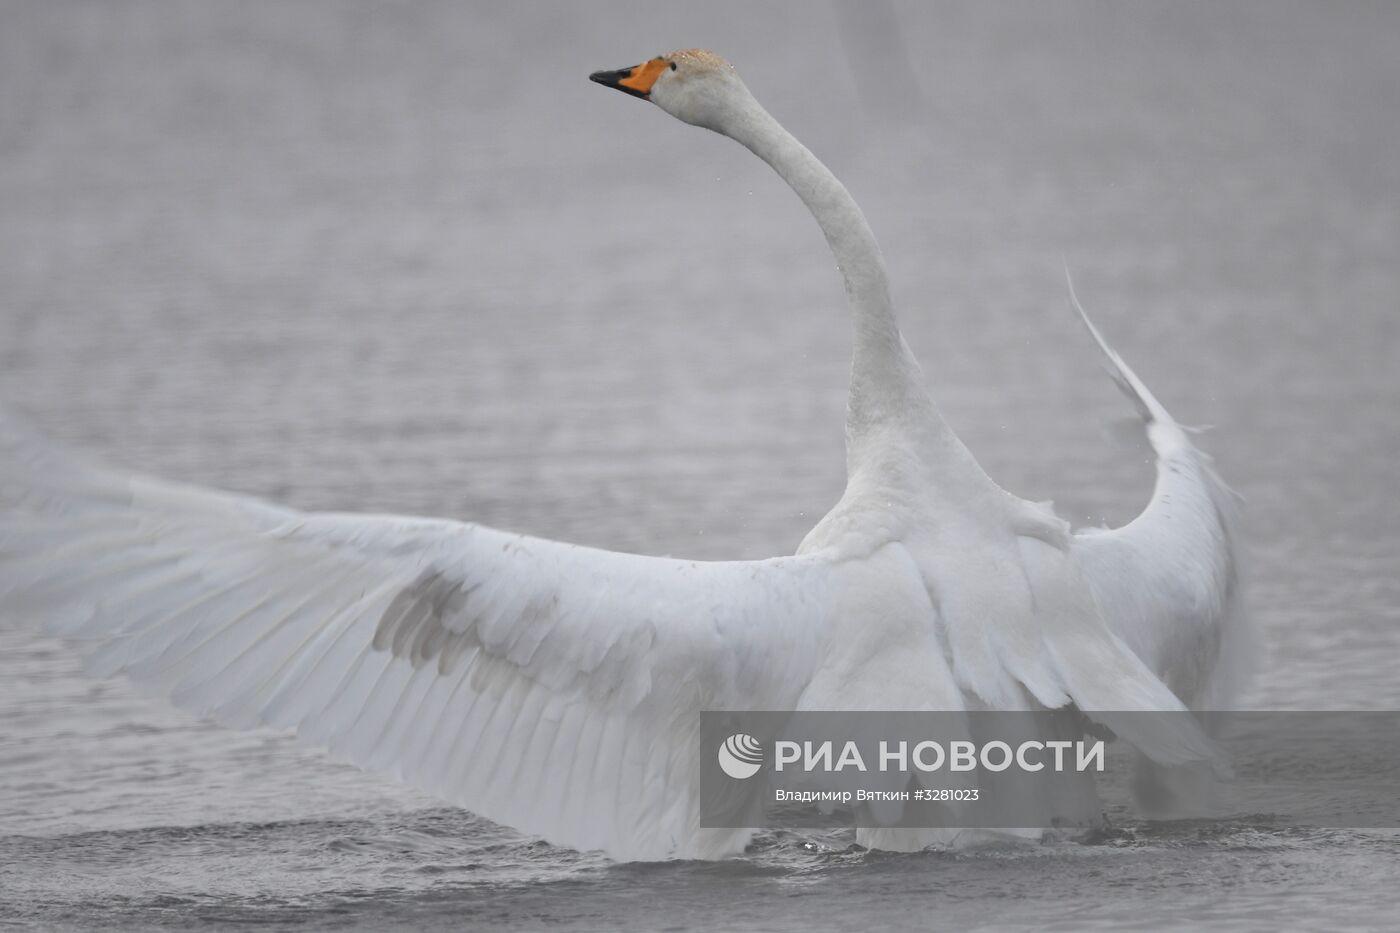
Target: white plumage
[557,688]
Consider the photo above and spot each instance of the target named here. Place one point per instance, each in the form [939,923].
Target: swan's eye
[673,66]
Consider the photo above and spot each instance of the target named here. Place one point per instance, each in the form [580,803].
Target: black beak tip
[610,78]
[614,79]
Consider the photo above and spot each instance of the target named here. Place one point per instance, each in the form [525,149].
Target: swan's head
[693,85]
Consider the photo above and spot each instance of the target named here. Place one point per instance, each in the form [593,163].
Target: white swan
[556,688]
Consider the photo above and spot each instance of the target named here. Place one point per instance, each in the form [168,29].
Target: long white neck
[887,395]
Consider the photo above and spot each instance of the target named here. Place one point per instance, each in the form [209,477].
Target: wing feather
[548,686]
[1168,582]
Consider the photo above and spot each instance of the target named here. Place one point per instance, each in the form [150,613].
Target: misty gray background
[405,257]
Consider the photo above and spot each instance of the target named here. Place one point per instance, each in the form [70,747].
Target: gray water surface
[405,257]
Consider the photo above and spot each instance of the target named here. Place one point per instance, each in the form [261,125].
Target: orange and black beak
[636,80]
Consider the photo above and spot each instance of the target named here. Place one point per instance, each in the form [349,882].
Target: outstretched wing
[552,687]
[1168,582]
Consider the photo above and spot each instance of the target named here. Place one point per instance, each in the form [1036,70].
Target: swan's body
[556,688]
